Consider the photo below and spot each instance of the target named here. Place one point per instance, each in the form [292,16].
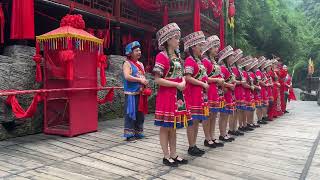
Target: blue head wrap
[131,46]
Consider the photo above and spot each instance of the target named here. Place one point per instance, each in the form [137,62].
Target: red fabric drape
[18,111]
[107,37]
[165,16]
[2,22]
[221,32]
[196,16]
[37,59]
[148,5]
[22,19]
[67,57]
[232,10]
[143,104]
[292,96]
[102,63]
[108,98]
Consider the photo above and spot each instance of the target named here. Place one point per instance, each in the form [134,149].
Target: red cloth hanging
[231,10]
[148,5]
[22,19]
[2,22]
[67,57]
[107,37]
[108,98]
[37,59]
[221,32]
[196,16]
[18,111]
[217,7]
[100,33]
[102,63]
[292,96]
[165,20]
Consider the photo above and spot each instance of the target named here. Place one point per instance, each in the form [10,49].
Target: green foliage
[289,29]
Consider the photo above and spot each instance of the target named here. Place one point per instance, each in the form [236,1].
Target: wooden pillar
[117,30]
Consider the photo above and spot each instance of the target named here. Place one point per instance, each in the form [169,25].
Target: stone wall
[17,71]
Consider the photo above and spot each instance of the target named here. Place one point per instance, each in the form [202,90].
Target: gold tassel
[205,111]
[185,120]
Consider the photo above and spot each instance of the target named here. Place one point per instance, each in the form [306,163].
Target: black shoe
[217,143]
[168,163]
[225,139]
[206,143]
[231,138]
[265,120]
[234,133]
[193,151]
[262,122]
[180,160]
[231,132]
[248,128]
[286,111]
[243,129]
[200,150]
[256,126]
[238,133]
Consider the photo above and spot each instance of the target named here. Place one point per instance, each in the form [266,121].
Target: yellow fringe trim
[185,121]
[206,111]
[66,35]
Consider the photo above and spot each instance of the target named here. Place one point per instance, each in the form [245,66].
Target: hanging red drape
[165,16]
[221,31]
[107,37]
[148,5]
[22,19]
[2,21]
[196,16]
[102,64]
[217,7]
[18,111]
[108,98]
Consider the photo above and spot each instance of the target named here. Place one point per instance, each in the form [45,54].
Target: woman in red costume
[171,112]
[209,51]
[196,91]
[225,58]
[238,94]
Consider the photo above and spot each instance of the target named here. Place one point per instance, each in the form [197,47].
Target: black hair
[208,54]
[191,52]
[166,46]
[227,65]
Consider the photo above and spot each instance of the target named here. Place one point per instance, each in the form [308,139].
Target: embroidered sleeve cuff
[188,70]
[159,69]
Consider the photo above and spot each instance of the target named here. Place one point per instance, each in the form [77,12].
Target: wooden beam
[98,13]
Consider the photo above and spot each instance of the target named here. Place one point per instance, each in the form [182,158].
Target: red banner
[22,19]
